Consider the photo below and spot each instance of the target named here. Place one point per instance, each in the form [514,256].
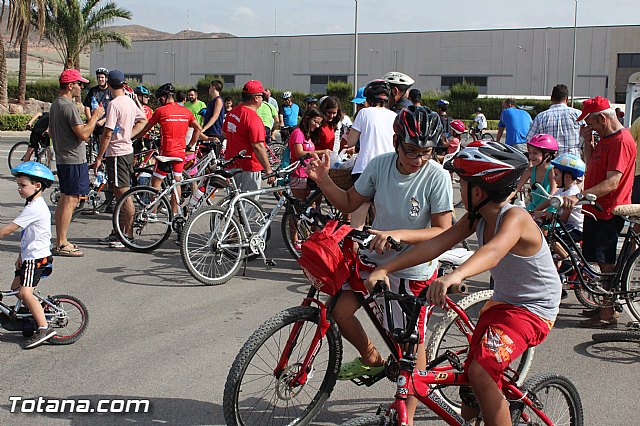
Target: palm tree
[20,21]
[80,23]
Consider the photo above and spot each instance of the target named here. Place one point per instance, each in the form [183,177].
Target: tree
[20,21]
[80,23]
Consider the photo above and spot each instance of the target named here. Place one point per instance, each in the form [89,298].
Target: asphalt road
[155,333]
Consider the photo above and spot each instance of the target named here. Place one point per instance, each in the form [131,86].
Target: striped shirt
[560,122]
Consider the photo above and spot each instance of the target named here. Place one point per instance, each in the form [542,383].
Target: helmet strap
[473,211]
[32,196]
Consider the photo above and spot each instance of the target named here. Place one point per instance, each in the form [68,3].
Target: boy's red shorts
[502,334]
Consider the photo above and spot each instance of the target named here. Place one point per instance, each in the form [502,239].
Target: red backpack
[323,261]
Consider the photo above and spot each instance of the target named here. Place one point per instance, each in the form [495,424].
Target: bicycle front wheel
[447,336]
[254,394]
[559,401]
[68,316]
[488,137]
[17,153]
[212,246]
[275,156]
[632,336]
[631,284]
[142,219]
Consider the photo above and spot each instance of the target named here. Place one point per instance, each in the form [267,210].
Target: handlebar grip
[598,207]
[394,244]
[457,289]
[379,287]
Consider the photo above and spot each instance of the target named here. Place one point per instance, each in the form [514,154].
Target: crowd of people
[398,142]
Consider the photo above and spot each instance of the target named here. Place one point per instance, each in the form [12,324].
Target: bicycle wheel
[151,221]
[256,217]
[465,139]
[69,318]
[632,336]
[17,153]
[45,157]
[367,421]
[212,246]
[448,336]
[587,299]
[488,137]
[558,399]
[631,284]
[254,395]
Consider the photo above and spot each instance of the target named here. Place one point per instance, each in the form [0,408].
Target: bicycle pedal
[270,263]
[454,360]
[369,381]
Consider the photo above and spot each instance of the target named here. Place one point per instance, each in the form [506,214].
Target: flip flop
[68,250]
[354,369]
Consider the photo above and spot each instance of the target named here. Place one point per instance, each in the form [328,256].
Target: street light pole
[355,56]
[575,41]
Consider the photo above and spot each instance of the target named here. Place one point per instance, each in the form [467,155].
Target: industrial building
[528,61]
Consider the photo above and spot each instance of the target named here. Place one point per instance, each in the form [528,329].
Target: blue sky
[291,17]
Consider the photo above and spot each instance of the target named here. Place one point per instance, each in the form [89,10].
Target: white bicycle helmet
[286,95]
[397,78]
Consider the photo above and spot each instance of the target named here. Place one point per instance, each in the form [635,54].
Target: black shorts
[600,239]
[39,140]
[635,193]
[31,271]
[119,170]
[73,178]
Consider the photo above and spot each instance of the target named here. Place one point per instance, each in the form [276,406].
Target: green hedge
[14,122]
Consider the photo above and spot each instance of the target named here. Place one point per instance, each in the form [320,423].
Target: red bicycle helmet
[491,165]
[544,142]
[418,126]
[457,126]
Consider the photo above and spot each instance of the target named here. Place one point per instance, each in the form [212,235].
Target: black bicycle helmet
[418,126]
[310,99]
[377,90]
[165,89]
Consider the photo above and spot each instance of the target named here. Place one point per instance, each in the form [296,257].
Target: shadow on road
[611,352]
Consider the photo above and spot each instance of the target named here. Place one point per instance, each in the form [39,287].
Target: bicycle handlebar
[289,169]
[222,163]
[557,201]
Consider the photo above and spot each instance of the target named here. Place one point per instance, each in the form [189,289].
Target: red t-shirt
[615,152]
[243,128]
[174,122]
[326,137]
[148,112]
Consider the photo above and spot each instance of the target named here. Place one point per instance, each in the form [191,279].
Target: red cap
[591,106]
[71,76]
[253,87]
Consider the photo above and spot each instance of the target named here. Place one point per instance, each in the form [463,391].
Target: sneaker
[39,337]
[118,244]
[297,247]
[108,240]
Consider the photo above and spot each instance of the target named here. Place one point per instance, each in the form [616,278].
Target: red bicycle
[288,367]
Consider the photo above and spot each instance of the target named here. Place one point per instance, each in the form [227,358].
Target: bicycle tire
[80,321]
[446,330]
[149,232]
[631,284]
[45,157]
[256,217]
[276,332]
[277,149]
[488,137]
[200,246]
[17,153]
[567,407]
[632,336]
[586,298]
[367,421]
[465,139]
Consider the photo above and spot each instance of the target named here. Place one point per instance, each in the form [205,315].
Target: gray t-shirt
[64,116]
[405,202]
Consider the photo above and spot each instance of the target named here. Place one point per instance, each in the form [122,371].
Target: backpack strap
[339,233]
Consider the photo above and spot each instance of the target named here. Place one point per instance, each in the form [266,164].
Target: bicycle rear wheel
[631,284]
[559,401]
[275,156]
[70,323]
[632,336]
[254,394]
[17,153]
[448,336]
[256,217]
[488,137]
[212,246]
[151,221]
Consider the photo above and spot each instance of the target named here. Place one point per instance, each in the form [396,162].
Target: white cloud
[243,13]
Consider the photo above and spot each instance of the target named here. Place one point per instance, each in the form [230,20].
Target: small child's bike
[65,314]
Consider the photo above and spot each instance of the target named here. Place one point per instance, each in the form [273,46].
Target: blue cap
[115,78]
[359,99]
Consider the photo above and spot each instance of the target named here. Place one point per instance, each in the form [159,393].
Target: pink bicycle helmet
[544,142]
[457,126]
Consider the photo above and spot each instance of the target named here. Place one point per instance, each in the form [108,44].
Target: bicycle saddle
[228,173]
[632,210]
[163,159]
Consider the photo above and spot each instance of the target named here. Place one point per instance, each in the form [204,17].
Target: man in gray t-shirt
[68,135]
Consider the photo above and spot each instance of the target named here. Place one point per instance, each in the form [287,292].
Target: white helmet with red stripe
[490,165]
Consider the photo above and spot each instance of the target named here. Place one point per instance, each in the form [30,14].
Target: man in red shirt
[609,176]
[244,130]
[175,120]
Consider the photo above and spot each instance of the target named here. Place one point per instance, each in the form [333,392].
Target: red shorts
[503,333]
[176,167]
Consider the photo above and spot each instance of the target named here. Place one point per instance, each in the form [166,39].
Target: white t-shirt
[35,221]
[376,135]
[576,218]
[481,121]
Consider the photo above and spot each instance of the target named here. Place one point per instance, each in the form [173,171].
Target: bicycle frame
[13,312]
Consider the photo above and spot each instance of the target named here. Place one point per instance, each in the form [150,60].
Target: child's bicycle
[288,367]
[65,314]
[548,399]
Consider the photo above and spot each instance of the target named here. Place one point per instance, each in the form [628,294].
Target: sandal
[354,369]
[68,250]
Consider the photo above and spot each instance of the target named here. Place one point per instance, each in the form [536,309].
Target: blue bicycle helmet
[141,90]
[570,163]
[442,103]
[36,171]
